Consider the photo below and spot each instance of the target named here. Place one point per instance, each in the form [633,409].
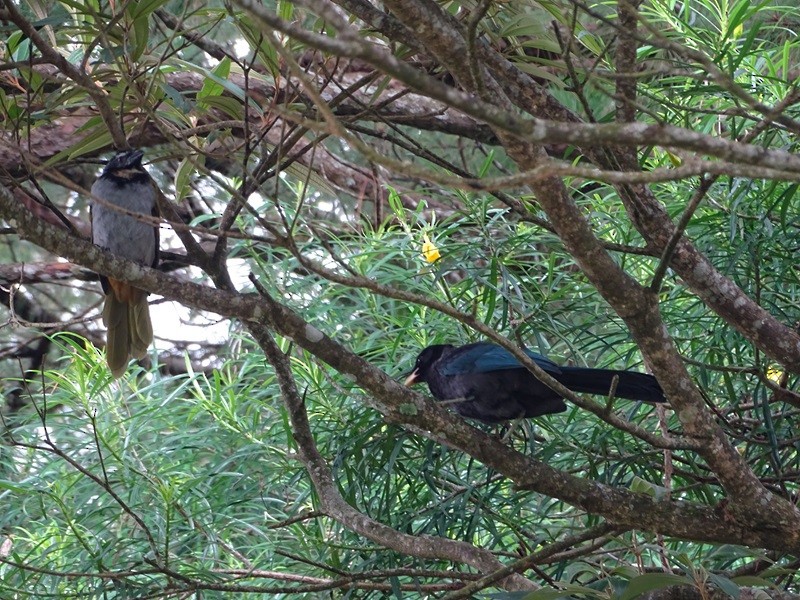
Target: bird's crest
[125,164]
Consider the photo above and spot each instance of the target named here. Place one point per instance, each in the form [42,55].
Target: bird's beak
[412,378]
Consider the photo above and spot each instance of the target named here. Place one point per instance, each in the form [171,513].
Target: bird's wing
[155,212]
[483,357]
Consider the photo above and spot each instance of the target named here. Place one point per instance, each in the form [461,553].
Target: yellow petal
[429,250]
[774,374]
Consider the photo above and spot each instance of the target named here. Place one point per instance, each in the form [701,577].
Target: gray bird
[124,183]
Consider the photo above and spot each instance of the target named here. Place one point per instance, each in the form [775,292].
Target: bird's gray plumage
[124,184]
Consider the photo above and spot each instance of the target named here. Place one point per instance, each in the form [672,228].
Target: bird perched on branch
[484,381]
[124,184]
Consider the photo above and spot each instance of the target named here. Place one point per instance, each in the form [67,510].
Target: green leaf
[266,54]
[144,8]
[141,35]
[645,487]
[725,584]
[183,175]
[9,107]
[213,85]
[396,204]
[12,42]
[487,164]
[22,51]
[94,141]
[230,106]
[177,99]
[98,138]
[490,294]
[652,581]
[674,159]
[751,581]
[13,487]
[536,70]
[744,49]
[285,10]
[568,590]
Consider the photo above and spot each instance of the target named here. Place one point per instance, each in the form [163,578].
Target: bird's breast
[117,231]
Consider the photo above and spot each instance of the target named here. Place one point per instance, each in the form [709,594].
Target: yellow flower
[429,250]
[774,374]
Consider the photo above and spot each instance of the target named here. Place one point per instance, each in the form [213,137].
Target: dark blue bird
[485,382]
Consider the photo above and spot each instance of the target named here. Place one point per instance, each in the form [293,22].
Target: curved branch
[423,546]
[402,406]
[637,306]
[774,338]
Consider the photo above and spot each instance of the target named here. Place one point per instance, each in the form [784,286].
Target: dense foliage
[389,206]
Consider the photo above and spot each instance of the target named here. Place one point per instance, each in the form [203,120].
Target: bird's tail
[129,330]
[141,327]
[631,385]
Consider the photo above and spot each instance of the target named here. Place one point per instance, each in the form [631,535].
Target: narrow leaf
[652,581]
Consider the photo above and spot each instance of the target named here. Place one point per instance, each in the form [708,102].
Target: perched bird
[124,183]
[484,381]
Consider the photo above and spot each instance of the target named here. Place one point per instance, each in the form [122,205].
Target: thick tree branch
[621,507]
[334,505]
[637,307]
[720,293]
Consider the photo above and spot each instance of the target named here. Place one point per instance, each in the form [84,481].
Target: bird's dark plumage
[487,383]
